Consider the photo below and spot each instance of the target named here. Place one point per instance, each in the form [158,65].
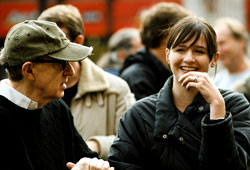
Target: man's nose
[69,70]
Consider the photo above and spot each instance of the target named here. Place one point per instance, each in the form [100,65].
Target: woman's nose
[189,57]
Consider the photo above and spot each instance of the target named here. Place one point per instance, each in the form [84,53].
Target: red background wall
[101,17]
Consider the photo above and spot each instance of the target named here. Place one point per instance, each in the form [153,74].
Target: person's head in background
[232,38]
[124,42]
[69,19]
[155,24]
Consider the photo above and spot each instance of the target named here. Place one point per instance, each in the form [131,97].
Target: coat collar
[92,79]
[144,56]
[167,116]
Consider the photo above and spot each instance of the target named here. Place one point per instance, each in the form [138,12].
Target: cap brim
[73,52]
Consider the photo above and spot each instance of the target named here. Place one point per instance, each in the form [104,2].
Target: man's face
[76,65]
[229,47]
[51,78]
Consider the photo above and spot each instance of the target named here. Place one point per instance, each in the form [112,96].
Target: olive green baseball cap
[32,39]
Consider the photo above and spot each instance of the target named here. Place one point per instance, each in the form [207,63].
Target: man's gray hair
[122,39]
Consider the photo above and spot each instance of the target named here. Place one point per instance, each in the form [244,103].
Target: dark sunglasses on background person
[63,62]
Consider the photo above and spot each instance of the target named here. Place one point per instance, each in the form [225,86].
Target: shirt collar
[16,97]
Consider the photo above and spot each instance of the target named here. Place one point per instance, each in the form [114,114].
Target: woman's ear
[215,59]
[27,70]
[167,55]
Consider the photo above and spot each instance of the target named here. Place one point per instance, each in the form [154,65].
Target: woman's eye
[200,51]
[179,49]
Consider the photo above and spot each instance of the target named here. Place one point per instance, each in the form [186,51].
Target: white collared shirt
[16,97]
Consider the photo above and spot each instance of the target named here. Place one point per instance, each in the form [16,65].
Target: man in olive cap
[36,127]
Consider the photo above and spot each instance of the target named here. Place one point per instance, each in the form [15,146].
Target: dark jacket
[144,73]
[153,134]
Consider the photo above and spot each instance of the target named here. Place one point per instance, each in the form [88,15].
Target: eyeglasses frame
[63,62]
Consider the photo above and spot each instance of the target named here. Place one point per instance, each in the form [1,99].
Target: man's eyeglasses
[63,62]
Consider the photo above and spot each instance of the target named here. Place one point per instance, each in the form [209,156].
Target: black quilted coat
[154,135]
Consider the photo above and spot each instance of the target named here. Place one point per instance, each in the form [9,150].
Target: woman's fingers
[191,79]
[89,164]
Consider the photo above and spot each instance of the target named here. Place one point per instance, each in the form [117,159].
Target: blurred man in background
[232,38]
[121,44]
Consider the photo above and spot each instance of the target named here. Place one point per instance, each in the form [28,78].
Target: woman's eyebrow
[181,45]
[200,46]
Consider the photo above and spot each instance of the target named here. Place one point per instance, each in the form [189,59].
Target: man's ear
[27,70]
[79,39]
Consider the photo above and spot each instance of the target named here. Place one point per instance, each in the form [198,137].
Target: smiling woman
[191,55]
[189,124]
[190,49]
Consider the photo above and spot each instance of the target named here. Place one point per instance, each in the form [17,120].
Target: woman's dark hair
[193,27]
